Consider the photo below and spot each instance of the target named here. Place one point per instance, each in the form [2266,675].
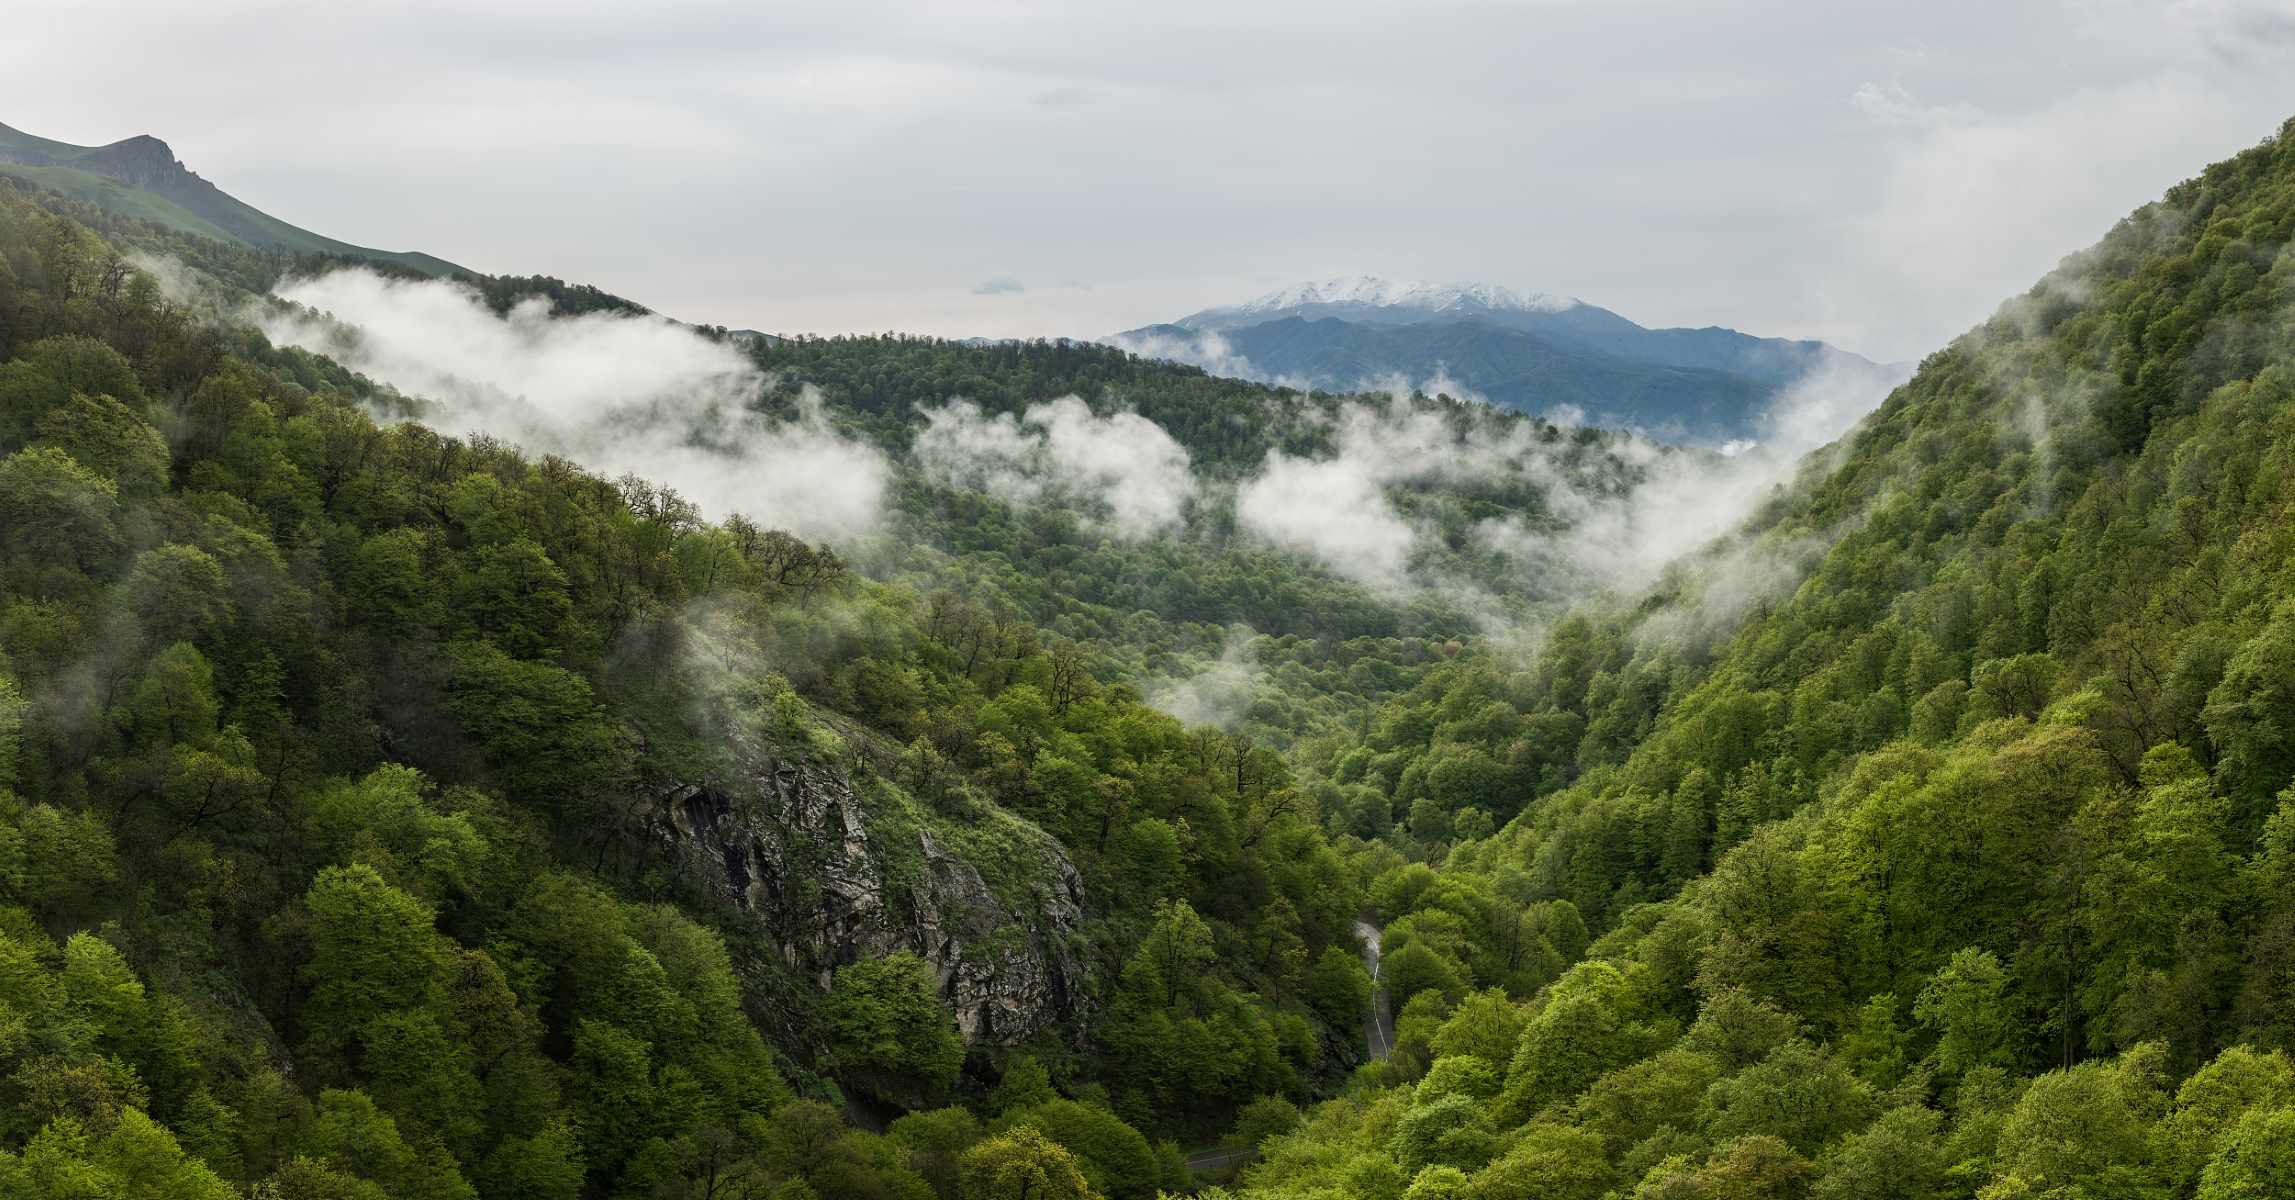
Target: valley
[468,736]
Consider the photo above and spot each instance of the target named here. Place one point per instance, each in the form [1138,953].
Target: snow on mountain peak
[1370,291]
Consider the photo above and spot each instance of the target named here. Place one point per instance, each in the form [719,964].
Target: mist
[1218,695]
[646,396]
[1131,478]
[1688,499]
[617,393]
[1337,509]
[1206,349]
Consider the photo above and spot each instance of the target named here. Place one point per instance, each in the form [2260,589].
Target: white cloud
[1122,462]
[1335,511]
[1892,105]
[1700,180]
[1979,200]
[1205,348]
[618,394]
[1219,693]
[1687,499]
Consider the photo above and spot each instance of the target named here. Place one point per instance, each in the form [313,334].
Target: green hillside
[115,197]
[389,815]
[140,178]
[1961,867]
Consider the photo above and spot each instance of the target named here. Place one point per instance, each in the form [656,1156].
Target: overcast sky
[1877,175]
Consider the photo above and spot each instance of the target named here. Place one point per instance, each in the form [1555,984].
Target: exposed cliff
[836,871]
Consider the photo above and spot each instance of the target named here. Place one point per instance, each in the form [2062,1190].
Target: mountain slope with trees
[1959,867]
[386,815]
[343,775]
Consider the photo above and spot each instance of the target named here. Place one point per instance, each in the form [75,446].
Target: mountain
[391,814]
[1370,298]
[1959,861]
[1530,351]
[662,840]
[141,177]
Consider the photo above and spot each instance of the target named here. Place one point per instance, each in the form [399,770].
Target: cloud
[1335,511]
[1619,174]
[618,394]
[1002,285]
[1196,348]
[1121,464]
[1979,199]
[1890,104]
[1061,97]
[1220,693]
[1686,500]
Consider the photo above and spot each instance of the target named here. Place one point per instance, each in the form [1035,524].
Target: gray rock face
[793,843]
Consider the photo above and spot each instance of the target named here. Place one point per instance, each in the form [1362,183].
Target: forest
[385,814]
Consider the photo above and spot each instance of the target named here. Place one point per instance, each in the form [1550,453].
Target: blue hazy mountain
[1549,355]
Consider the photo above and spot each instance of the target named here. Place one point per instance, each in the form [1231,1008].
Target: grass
[113,196]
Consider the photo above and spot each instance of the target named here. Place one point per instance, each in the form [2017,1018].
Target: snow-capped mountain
[1545,354]
[1351,295]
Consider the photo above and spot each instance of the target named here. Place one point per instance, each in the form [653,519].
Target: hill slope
[1933,838]
[140,177]
[388,815]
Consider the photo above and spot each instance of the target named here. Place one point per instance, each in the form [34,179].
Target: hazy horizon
[1879,182]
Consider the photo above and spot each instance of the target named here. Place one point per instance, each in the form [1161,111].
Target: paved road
[1219,1160]
[1378,1023]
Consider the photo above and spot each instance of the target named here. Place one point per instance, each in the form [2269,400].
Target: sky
[1880,176]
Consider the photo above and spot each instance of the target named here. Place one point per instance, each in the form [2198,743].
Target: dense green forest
[371,809]
[390,815]
[1958,868]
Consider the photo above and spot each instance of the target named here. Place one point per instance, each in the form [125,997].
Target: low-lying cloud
[617,393]
[1688,499]
[1333,510]
[1205,348]
[1121,465]
[1338,511]
[646,396]
[1219,694]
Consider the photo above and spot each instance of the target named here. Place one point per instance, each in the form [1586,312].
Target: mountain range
[1554,356]
[1557,357]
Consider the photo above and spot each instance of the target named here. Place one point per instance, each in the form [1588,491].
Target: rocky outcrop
[141,161]
[791,841]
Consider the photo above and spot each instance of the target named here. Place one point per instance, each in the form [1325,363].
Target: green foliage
[888,1026]
[1955,865]
[338,762]
[1116,1161]
[1021,1164]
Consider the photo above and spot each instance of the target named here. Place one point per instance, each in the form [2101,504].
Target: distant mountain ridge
[1368,295]
[1540,353]
[141,177]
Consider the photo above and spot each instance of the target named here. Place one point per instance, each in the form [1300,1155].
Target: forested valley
[389,814]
